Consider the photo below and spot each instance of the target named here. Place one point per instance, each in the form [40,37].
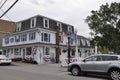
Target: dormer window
[33,23]
[69,29]
[83,42]
[60,26]
[18,27]
[88,43]
[46,23]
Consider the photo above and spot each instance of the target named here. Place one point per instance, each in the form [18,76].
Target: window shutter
[19,38]
[42,37]
[29,36]
[34,35]
[49,37]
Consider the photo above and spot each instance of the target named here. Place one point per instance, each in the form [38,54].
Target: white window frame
[47,37]
[44,20]
[88,43]
[60,26]
[83,42]
[33,23]
[18,26]
[69,29]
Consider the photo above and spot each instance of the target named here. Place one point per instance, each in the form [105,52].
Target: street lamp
[68,47]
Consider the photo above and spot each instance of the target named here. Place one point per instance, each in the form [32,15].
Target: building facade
[5,28]
[40,38]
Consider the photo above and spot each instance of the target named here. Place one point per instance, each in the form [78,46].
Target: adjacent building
[6,27]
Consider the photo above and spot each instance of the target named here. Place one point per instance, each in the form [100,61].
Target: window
[33,23]
[88,43]
[28,51]
[32,36]
[93,58]
[16,51]
[83,42]
[12,39]
[6,40]
[4,51]
[109,58]
[24,37]
[69,29]
[18,26]
[47,51]
[60,26]
[17,38]
[46,23]
[45,37]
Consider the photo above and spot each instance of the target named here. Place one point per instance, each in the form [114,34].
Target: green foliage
[17,59]
[24,60]
[30,61]
[105,23]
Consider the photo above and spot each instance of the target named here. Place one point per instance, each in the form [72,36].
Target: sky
[73,12]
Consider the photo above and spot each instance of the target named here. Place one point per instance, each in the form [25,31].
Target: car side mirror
[84,60]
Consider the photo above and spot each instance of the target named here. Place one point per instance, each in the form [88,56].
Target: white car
[5,60]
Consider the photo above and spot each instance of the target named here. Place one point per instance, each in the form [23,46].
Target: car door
[88,64]
[103,64]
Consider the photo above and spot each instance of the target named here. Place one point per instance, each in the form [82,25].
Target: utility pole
[57,44]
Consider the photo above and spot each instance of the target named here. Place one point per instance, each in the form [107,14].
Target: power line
[1,1]
[8,8]
[3,4]
[6,15]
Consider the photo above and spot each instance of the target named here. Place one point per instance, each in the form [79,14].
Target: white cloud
[72,12]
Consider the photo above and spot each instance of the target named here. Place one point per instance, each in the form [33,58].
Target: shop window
[28,51]
[16,51]
[4,52]
[47,51]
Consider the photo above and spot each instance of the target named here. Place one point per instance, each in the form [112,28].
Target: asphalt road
[21,71]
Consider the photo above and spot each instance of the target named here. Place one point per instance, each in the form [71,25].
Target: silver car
[100,63]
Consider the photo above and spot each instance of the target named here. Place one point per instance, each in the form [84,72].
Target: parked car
[100,63]
[5,60]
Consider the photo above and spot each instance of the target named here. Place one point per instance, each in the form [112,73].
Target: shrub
[30,61]
[17,59]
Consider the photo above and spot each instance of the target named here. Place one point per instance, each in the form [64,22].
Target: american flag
[33,51]
[62,36]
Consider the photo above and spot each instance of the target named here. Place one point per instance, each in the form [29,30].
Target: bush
[29,61]
[17,59]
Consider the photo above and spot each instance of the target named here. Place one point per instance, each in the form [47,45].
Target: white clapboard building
[43,39]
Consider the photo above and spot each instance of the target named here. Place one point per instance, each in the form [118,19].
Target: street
[23,71]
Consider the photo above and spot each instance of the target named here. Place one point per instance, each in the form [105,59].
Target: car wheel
[115,74]
[75,71]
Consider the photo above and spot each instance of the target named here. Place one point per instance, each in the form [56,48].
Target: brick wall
[7,26]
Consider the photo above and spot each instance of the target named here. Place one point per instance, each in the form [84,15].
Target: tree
[105,23]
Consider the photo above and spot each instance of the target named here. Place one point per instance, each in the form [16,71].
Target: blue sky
[72,12]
